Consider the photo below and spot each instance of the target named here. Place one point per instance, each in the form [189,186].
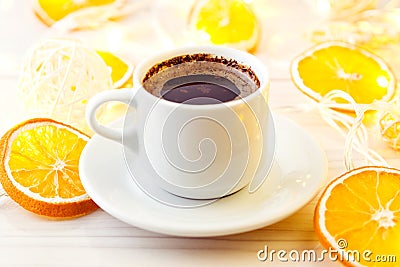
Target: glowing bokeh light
[382,81]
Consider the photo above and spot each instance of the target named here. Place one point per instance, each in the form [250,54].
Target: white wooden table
[99,239]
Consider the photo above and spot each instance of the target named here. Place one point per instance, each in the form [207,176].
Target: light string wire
[348,124]
[372,27]
[351,128]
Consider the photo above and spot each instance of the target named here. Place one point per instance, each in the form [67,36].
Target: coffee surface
[208,81]
[199,89]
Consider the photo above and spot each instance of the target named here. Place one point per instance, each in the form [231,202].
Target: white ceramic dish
[298,172]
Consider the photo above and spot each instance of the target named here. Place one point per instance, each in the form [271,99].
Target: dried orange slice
[50,11]
[39,168]
[338,65]
[226,22]
[358,214]
[121,70]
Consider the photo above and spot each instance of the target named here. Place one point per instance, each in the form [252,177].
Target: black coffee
[200,79]
[200,89]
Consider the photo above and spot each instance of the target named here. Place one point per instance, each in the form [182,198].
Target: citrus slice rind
[342,66]
[225,22]
[360,211]
[49,190]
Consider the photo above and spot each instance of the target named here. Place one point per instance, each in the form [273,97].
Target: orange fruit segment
[51,11]
[360,211]
[226,22]
[39,168]
[337,65]
[121,70]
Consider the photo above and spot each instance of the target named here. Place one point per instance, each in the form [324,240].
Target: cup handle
[121,95]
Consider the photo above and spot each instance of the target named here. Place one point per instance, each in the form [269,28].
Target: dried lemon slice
[226,22]
[50,11]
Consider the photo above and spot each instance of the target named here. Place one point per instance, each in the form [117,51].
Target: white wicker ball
[58,78]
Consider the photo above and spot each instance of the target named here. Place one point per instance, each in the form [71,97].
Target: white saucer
[298,172]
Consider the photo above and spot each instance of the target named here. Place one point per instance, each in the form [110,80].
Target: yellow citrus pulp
[50,11]
[337,65]
[226,22]
[39,168]
[360,211]
[121,70]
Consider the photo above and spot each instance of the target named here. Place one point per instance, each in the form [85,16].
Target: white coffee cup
[195,151]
